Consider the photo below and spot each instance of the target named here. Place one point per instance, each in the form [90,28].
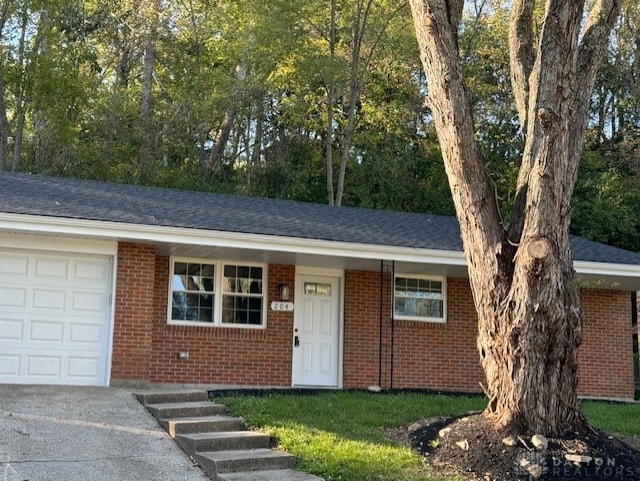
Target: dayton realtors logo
[592,467]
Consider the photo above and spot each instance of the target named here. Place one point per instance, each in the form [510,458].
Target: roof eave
[45,225]
[107,230]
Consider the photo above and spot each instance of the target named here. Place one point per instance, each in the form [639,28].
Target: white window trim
[437,320]
[217,299]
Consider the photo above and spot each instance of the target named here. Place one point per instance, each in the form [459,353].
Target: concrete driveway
[59,433]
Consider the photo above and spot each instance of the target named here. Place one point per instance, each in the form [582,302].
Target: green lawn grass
[344,435]
[341,435]
[614,418]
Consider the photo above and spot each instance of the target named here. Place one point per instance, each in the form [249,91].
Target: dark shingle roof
[91,200]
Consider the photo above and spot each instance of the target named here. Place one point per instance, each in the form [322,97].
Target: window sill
[212,325]
[424,320]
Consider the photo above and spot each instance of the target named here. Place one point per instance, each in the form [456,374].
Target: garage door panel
[85,333]
[47,331]
[54,318]
[38,365]
[83,367]
[96,272]
[12,297]
[11,330]
[10,367]
[92,302]
[48,299]
[18,265]
[51,268]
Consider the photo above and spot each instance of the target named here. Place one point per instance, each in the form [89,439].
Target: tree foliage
[284,99]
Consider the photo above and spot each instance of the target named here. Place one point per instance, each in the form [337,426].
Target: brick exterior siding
[606,354]
[135,287]
[377,351]
[222,355]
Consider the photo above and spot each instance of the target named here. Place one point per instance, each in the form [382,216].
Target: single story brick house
[108,284]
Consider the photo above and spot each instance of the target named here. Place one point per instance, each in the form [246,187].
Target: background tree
[521,274]
[237,99]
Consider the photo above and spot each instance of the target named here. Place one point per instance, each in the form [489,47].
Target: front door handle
[296,341]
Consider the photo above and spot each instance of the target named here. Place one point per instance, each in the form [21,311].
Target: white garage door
[54,318]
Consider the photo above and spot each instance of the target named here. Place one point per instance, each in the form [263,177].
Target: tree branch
[591,51]
[594,42]
[522,56]
[551,86]
[454,8]
[436,23]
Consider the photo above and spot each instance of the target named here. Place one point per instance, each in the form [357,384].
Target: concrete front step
[222,441]
[185,409]
[271,475]
[202,424]
[218,462]
[220,444]
[160,397]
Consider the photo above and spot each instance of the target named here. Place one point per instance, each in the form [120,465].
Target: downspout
[381,321]
[636,339]
[393,319]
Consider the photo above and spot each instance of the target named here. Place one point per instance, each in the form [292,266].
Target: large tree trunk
[521,275]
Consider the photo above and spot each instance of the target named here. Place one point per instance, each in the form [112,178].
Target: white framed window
[420,298]
[242,295]
[217,293]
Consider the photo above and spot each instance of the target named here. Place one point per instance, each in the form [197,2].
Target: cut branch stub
[539,248]
[547,118]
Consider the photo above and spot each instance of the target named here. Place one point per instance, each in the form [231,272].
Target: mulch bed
[472,449]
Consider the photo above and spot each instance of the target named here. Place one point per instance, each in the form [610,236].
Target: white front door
[316,349]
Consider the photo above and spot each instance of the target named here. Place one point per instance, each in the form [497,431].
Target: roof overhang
[290,250]
[189,242]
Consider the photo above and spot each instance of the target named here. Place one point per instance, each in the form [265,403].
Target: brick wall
[361,367]
[444,356]
[222,355]
[440,356]
[377,350]
[606,354]
[133,313]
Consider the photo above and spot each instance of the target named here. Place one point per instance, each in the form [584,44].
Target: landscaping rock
[540,442]
[578,459]
[535,470]
[464,445]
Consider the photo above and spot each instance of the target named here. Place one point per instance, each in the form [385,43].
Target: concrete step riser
[175,426]
[279,475]
[222,447]
[258,463]
[186,411]
[172,397]
[227,443]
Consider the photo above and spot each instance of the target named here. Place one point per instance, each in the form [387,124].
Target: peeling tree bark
[521,275]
